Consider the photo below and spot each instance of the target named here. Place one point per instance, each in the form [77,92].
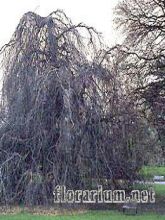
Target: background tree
[143,56]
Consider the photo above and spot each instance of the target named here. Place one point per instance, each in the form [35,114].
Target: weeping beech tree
[64,118]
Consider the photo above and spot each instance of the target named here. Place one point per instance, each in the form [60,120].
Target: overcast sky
[96,13]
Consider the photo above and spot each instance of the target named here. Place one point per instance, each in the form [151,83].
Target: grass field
[149,172]
[94,215]
[159,189]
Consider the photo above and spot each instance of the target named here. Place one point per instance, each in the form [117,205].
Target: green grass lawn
[148,172]
[159,189]
[94,215]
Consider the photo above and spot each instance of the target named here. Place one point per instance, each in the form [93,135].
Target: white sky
[96,13]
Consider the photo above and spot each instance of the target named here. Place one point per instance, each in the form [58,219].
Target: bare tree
[143,23]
